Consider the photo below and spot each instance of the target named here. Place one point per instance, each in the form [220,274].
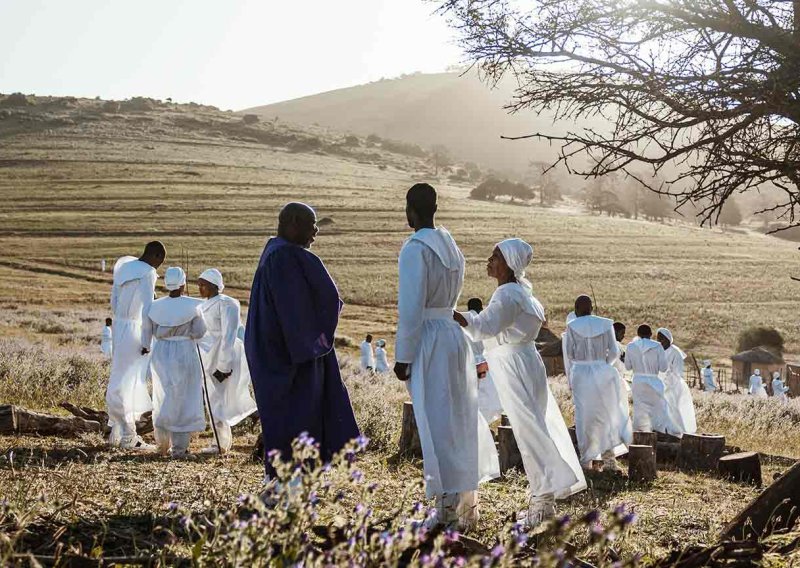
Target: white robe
[646,358]
[619,365]
[107,342]
[488,399]
[602,423]
[708,380]
[779,391]
[457,446]
[679,397]
[757,387]
[367,357]
[508,327]
[381,360]
[127,397]
[176,324]
[222,350]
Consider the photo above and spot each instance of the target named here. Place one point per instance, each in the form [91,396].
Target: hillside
[457,111]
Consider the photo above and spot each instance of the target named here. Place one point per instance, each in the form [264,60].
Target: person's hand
[220,376]
[462,321]
[482,369]
[145,351]
[401,371]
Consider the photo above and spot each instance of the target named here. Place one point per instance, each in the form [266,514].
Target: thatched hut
[746,362]
[552,356]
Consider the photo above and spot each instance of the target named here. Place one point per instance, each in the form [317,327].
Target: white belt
[646,376]
[514,347]
[437,314]
[594,362]
[175,338]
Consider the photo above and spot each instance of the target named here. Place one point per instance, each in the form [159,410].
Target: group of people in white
[187,346]
[758,388]
[376,360]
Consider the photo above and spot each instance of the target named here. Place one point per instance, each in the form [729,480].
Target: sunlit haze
[232,54]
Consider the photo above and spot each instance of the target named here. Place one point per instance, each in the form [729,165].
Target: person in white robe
[367,355]
[619,362]
[708,377]
[779,391]
[757,386]
[227,375]
[433,355]
[381,359]
[679,398]
[488,400]
[176,323]
[509,327]
[107,339]
[646,358]
[602,422]
[132,293]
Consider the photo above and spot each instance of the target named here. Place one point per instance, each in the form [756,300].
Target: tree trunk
[700,452]
[641,463]
[777,508]
[744,467]
[508,450]
[504,421]
[409,436]
[17,420]
[645,439]
[143,426]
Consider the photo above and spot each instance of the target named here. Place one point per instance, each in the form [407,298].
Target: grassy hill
[458,111]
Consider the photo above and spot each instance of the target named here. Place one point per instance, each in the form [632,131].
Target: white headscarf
[215,277]
[381,343]
[776,375]
[665,332]
[518,255]
[174,278]
[757,372]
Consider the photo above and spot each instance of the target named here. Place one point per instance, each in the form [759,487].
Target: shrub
[760,336]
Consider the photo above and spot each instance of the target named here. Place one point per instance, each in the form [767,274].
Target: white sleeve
[114,294]
[148,331]
[410,301]
[496,318]
[628,364]
[565,353]
[613,349]
[662,361]
[230,327]
[198,327]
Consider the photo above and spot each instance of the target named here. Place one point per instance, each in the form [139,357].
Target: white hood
[171,312]
[441,242]
[644,345]
[590,326]
[525,300]
[130,268]
[678,351]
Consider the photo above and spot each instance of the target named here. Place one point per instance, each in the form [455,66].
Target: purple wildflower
[498,551]
[362,442]
[356,475]
[451,535]
[591,517]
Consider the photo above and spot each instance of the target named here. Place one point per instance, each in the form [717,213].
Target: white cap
[757,372]
[174,278]
[215,277]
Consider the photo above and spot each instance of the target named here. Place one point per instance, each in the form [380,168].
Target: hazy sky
[230,53]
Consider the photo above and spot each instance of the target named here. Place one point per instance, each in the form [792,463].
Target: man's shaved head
[297,223]
[421,205]
[644,331]
[154,253]
[583,305]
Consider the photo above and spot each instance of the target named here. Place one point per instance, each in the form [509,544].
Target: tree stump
[700,452]
[409,435]
[777,508]
[645,439]
[667,452]
[18,420]
[573,435]
[504,421]
[508,450]
[641,463]
[744,467]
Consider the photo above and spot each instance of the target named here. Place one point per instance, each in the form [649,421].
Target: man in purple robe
[293,314]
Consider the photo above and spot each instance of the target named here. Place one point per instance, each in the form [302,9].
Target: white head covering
[706,363]
[757,372]
[381,343]
[215,277]
[174,278]
[518,255]
[570,317]
[665,332]
[776,375]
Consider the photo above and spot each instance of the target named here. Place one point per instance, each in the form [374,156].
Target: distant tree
[599,197]
[373,140]
[760,336]
[352,140]
[731,215]
[440,158]
[654,206]
[549,189]
[488,190]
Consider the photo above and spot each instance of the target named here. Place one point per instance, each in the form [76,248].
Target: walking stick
[208,399]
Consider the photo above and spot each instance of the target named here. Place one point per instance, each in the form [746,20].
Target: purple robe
[293,314]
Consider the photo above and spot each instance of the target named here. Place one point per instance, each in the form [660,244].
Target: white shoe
[138,444]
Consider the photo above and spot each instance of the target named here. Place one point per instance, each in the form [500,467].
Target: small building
[553,357]
[791,379]
[746,362]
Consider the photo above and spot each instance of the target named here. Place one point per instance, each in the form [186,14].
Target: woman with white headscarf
[680,405]
[756,385]
[176,323]
[381,360]
[779,391]
[508,328]
[227,373]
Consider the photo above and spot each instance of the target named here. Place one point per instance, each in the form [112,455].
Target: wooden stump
[700,452]
[573,435]
[508,450]
[143,426]
[777,508]
[744,467]
[504,421]
[667,452]
[18,420]
[409,435]
[645,439]
[641,463]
